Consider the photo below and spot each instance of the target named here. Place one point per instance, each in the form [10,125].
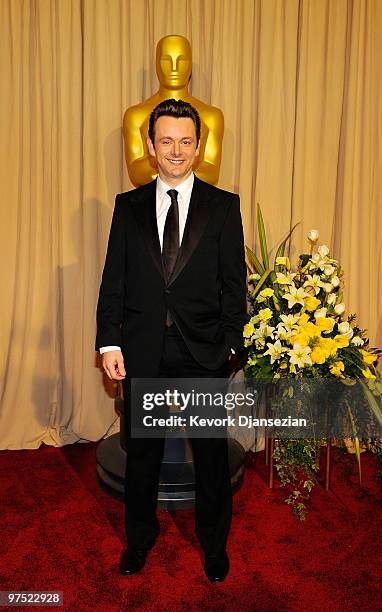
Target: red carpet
[61,531]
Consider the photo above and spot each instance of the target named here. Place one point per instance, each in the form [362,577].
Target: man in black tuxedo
[172,304]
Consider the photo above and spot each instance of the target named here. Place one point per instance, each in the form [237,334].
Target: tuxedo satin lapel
[198,215]
[144,204]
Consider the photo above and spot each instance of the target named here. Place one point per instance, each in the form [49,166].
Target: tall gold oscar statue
[173,66]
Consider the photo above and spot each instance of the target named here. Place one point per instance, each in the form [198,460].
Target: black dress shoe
[216,567]
[132,561]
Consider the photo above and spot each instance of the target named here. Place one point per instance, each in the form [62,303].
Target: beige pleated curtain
[299,83]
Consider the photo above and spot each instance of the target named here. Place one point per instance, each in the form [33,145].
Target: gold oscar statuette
[173,66]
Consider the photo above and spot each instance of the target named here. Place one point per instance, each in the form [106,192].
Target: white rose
[332,298]
[328,270]
[335,281]
[345,329]
[313,235]
[321,312]
[328,287]
[357,340]
[339,308]
[323,250]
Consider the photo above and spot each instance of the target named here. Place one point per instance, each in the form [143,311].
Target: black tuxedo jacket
[206,293]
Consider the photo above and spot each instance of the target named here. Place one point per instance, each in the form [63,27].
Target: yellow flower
[249,330]
[337,368]
[307,334]
[283,261]
[284,279]
[301,338]
[311,329]
[368,358]
[341,340]
[329,346]
[318,355]
[368,374]
[324,323]
[304,318]
[311,303]
[268,292]
[254,277]
[265,314]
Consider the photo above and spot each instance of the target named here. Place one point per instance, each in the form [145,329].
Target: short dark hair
[174,108]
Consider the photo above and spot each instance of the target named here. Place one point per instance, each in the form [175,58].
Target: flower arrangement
[298,329]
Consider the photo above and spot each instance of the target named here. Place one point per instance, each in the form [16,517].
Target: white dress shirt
[163,203]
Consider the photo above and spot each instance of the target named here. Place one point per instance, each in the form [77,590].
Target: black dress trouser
[213,496]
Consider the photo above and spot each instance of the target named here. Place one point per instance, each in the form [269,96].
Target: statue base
[177,478]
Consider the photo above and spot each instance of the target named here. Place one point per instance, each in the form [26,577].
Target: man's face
[174,62]
[174,148]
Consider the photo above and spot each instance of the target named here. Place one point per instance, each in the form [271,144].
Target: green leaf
[254,261]
[275,300]
[281,248]
[261,281]
[262,237]
[304,259]
[356,441]
[376,408]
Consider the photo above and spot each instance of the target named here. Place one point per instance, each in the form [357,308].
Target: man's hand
[233,363]
[112,363]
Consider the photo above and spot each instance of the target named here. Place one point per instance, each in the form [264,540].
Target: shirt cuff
[106,349]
